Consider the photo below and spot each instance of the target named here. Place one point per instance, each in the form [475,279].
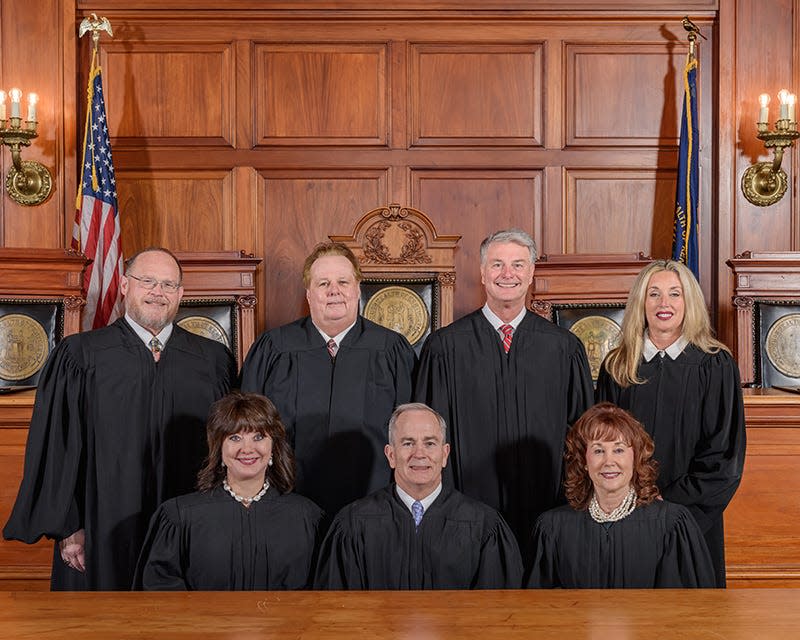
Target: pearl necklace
[245,501]
[623,510]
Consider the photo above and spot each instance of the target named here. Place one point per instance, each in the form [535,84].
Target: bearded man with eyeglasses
[118,427]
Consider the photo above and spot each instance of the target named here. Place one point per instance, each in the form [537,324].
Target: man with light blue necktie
[417,533]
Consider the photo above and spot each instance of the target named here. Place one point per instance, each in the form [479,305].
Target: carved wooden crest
[395,242]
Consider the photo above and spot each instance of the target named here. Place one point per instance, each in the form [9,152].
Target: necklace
[624,509]
[245,501]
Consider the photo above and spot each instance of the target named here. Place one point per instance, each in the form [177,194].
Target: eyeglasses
[150,283]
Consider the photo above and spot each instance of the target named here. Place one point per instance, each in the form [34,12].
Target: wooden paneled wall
[269,132]
[270,124]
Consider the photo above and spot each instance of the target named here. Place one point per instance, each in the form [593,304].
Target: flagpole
[685,242]
[96,232]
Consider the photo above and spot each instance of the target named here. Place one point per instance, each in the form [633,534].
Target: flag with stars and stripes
[96,232]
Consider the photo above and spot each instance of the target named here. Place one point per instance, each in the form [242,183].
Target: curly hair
[622,363]
[330,249]
[607,422]
[246,413]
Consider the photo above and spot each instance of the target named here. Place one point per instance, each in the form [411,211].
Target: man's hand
[71,549]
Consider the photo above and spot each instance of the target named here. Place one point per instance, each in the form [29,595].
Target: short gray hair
[414,406]
[517,236]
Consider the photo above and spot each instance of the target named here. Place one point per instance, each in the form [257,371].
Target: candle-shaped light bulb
[783,97]
[16,95]
[763,113]
[791,102]
[2,105]
[32,100]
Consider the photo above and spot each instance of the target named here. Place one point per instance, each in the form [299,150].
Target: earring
[222,464]
[270,461]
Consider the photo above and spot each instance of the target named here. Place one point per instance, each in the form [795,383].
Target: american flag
[96,231]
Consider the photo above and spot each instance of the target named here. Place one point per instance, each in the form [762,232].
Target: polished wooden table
[765,614]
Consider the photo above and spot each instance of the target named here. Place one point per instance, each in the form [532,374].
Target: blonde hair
[622,363]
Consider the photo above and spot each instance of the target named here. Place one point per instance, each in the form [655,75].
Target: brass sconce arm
[28,183]
[765,183]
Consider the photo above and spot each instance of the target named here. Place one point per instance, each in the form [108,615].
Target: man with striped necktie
[335,378]
[118,427]
[509,383]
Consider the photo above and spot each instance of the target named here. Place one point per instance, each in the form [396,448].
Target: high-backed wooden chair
[408,268]
[767,302]
[586,294]
[219,297]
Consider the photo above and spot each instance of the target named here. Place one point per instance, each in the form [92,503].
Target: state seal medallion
[400,309]
[23,346]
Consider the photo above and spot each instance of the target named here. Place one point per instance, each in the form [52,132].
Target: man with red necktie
[509,383]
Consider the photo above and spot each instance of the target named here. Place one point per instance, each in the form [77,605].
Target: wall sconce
[764,183]
[28,182]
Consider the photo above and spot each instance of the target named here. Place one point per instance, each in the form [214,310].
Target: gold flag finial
[95,25]
[694,31]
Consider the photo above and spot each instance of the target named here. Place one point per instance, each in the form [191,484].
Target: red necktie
[332,348]
[507,330]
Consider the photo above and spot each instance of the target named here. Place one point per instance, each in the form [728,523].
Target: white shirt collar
[496,322]
[427,501]
[649,350]
[338,337]
[145,336]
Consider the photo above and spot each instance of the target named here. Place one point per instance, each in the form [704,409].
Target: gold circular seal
[783,345]
[206,327]
[23,346]
[400,309]
[599,336]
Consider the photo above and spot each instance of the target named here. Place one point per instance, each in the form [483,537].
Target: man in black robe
[417,534]
[509,384]
[335,378]
[118,426]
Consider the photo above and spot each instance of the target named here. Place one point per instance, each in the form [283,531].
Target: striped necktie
[507,330]
[155,347]
[332,348]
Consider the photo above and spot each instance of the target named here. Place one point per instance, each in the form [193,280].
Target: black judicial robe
[460,544]
[113,435]
[335,411]
[692,408]
[208,541]
[508,414]
[658,545]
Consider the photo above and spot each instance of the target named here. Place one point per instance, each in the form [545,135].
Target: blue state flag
[686,228]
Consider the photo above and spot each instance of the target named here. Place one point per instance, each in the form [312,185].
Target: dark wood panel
[173,93]
[619,211]
[473,204]
[32,60]
[316,93]
[768,28]
[470,94]
[189,211]
[22,566]
[301,209]
[624,94]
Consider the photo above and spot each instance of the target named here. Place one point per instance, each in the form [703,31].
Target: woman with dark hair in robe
[616,532]
[243,529]
[683,385]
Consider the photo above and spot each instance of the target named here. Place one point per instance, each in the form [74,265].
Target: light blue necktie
[416,510]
